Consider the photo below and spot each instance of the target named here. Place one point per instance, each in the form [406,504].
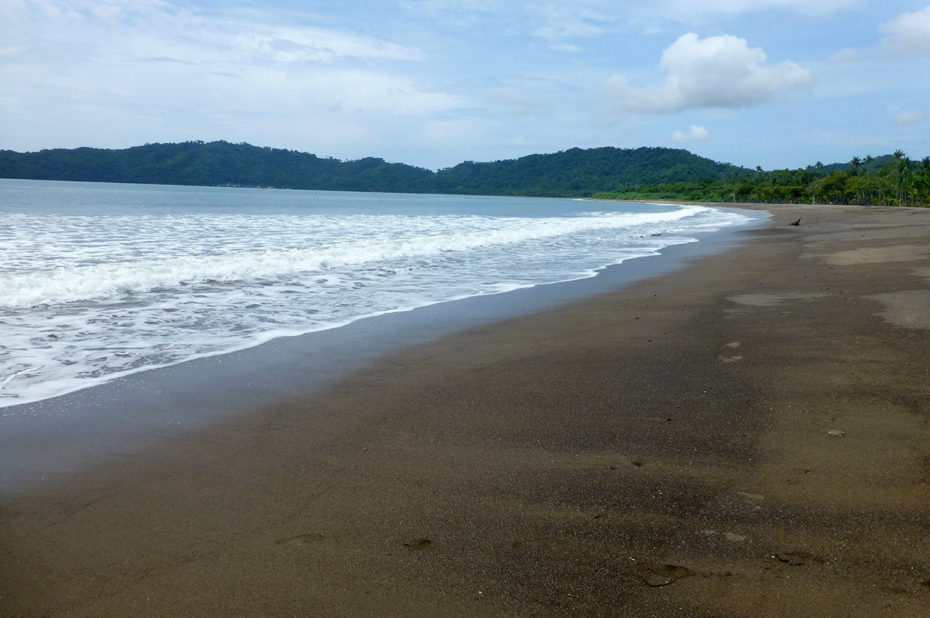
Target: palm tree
[858,183]
[870,183]
[922,183]
[899,174]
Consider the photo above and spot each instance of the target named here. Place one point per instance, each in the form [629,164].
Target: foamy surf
[116,280]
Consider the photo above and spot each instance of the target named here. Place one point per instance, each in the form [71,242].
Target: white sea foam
[88,297]
[130,255]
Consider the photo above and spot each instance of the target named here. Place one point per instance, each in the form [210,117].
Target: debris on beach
[657,576]
[418,544]
[798,558]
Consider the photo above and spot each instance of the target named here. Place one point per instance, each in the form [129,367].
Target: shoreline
[747,435]
[62,434]
[34,402]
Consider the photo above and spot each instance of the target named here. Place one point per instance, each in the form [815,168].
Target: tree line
[891,180]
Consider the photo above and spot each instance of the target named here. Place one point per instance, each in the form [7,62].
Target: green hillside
[574,172]
[578,172]
[214,164]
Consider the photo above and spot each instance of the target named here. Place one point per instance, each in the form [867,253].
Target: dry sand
[746,437]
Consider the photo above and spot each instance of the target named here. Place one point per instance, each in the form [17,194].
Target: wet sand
[746,437]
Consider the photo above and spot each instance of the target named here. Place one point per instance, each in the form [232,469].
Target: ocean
[99,281]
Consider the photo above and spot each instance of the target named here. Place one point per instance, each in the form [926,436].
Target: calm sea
[102,280]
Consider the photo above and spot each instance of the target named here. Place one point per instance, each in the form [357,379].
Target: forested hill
[574,172]
[214,164]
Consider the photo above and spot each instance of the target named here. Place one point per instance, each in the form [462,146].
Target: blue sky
[776,83]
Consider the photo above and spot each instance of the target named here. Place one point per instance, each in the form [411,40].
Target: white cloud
[135,30]
[695,133]
[458,13]
[909,33]
[580,19]
[350,91]
[552,21]
[910,118]
[555,21]
[520,102]
[719,71]
[247,37]
[736,7]
[284,44]
[847,55]
[158,51]
[94,72]
[444,131]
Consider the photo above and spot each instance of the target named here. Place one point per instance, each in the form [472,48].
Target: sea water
[103,280]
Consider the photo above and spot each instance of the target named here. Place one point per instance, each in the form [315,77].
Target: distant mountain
[578,172]
[214,164]
[574,172]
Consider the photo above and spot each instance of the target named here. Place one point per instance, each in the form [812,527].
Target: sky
[770,83]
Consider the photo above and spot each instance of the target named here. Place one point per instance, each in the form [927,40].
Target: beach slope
[745,437]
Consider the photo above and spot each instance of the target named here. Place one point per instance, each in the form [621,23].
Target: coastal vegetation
[604,173]
[891,180]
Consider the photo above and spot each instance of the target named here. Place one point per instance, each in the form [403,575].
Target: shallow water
[100,280]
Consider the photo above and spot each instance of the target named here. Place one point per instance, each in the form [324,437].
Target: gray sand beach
[747,436]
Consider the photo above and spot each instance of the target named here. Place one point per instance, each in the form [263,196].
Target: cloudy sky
[776,83]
